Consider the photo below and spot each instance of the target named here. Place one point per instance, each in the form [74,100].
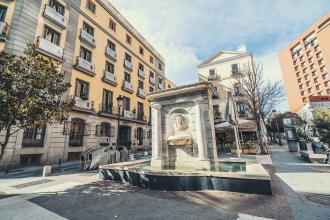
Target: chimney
[242,48]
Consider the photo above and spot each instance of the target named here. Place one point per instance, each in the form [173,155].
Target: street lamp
[278,130]
[119,104]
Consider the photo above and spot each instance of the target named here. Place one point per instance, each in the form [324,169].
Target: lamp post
[278,130]
[119,104]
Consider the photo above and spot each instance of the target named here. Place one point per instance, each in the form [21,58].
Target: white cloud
[186,32]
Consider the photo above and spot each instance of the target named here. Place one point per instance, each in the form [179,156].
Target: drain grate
[33,183]
[319,199]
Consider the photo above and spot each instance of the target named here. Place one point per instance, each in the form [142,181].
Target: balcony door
[140,111]
[77,131]
[3,11]
[107,101]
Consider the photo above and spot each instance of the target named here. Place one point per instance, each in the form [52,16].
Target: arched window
[77,131]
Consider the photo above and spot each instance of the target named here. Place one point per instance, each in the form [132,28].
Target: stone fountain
[184,155]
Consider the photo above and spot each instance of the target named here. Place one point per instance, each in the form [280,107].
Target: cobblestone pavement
[306,186]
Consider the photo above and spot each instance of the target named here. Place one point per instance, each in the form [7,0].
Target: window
[109,67]
[127,77]
[313,66]
[128,39]
[141,67]
[316,80]
[305,70]
[160,66]
[56,6]
[77,130]
[234,68]
[327,84]
[160,80]
[151,59]
[323,69]
[107,101]
[309,90]
[85,54]
[308,84]
[317,48]
[111,45]
[296,68]
[309,53]
[126,104]
[318,87]
[299,80]
[319,55]
[105,130]
[301,86]
[152,75]
[91,6]
[141,50]
[301,58]
[325,76]
[82,89]
[3,11]
[311,60]
[128,57]
[139,136]
[298,74]
[151,89]
[141,84]
[240,107]
[52,36]
[140,111]
[237,90]
[112,25]
[321,62]
[88,28]
[302,93]
[212,72]
[216,111]
[34,136]
[303,64]
[306,77]
[328,91]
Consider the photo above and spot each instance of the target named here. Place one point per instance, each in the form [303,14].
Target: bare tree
[259,97]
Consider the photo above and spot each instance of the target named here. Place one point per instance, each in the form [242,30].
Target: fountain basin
[240,177]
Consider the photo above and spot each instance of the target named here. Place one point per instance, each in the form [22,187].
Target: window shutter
[113,131]
[66,128]
[98,131]
[87,129]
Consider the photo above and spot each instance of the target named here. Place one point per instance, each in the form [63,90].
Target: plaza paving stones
[33,183]
[296,177]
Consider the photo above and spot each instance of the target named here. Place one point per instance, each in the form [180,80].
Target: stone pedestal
[181,138]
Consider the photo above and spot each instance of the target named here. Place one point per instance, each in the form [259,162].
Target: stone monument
[183,136]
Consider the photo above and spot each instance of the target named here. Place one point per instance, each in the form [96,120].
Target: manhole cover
[319,199]
[33,183]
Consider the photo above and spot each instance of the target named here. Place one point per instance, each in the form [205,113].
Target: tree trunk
[260,136]
[4,144]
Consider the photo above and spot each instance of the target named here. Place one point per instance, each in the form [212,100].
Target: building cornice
[226,59]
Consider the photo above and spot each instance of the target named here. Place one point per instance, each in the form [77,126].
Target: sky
[186,32]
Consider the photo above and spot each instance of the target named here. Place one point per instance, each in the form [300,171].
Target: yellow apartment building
[103,57]
[305,65]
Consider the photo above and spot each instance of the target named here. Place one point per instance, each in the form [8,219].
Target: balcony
[48,48]
[128,65]
[84,104]
[55,17]
[87,38]
[110,78]
[85,66]
[110,53]
[108,109]
[152,80]
[141,93]
[242,114]
[128,114]
[213,77]
[217,115]
[4,27]
[127,86]
[141,73]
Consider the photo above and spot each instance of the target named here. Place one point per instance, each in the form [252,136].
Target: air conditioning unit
[104,141]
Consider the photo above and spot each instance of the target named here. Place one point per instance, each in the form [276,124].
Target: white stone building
[307,112]
[222,69]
